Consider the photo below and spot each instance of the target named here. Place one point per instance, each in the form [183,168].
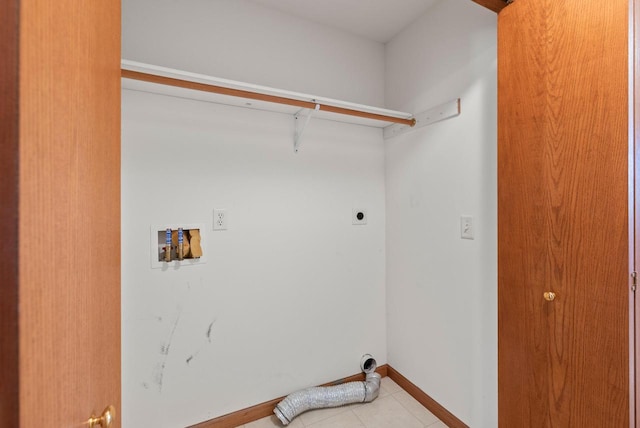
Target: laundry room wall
[441,289]
[241,40]
[292,294]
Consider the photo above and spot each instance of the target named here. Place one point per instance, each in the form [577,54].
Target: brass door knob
[105,420]
[549,296]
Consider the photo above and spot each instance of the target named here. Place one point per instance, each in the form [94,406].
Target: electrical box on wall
[177,245]
[359,216]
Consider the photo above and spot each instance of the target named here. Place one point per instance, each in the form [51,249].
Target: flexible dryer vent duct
[331,396]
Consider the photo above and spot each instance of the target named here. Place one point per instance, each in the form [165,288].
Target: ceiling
[377,20]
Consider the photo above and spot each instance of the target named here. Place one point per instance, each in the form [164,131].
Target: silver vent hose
[331,396]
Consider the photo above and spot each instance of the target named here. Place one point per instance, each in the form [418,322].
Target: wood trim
[494,5]
[9,150]
[634,203]
[263,410]
[432,405]
[169,81]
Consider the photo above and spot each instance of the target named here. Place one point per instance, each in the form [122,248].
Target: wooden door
[61,211]
[563,174]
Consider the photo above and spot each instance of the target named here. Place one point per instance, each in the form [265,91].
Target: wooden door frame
[634,203]
[9,145]
[494,5]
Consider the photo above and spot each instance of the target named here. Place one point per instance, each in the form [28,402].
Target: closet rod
[146,77]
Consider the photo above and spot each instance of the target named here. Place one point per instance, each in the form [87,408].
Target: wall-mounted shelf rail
[197,82]
[183,84]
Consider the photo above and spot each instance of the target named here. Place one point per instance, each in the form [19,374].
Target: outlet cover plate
[220,219]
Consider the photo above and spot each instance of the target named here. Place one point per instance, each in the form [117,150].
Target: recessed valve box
[177,245]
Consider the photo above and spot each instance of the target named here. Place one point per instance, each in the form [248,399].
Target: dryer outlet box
[359,216]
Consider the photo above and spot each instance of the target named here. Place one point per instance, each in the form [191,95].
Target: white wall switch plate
[466,227]
[220,219]
[359,216]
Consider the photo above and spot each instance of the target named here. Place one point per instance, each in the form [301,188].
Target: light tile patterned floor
[394,408]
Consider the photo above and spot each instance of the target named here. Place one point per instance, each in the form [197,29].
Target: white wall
[241,40]
[441,290]
[293,294]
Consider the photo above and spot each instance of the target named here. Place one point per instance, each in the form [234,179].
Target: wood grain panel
[586,171]
[69,233]
[9,357]
[563,214]
[521,222]
[264,410]
[423,398]
[494,5]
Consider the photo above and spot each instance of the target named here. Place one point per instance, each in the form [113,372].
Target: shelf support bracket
[297,139]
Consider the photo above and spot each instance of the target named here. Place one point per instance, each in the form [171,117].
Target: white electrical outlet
[220,219]
[466,227]
[359,216]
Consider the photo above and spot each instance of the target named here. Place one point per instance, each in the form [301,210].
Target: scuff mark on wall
[209,339]
[165,347]
[158,372]
[209,329]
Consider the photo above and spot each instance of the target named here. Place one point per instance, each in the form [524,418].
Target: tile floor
[394,408]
